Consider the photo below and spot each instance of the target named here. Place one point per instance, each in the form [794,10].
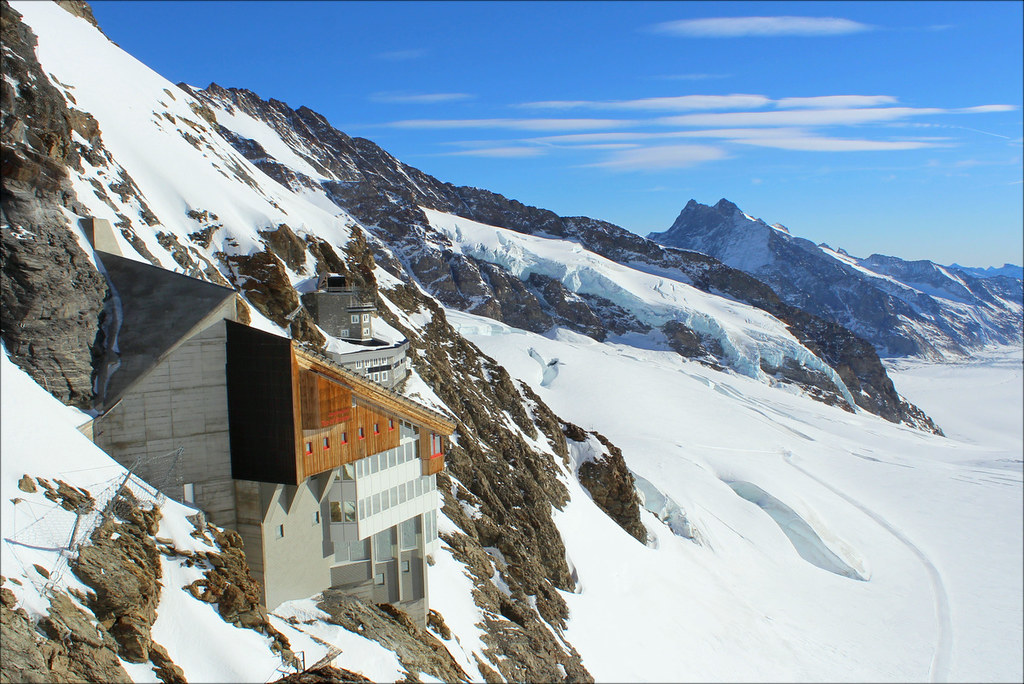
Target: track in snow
[939,668]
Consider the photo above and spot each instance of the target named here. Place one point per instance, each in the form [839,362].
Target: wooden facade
[332,416]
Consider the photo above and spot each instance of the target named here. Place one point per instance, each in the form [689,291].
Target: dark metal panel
[261,420]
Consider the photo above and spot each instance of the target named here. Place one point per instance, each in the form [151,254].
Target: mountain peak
[726,207]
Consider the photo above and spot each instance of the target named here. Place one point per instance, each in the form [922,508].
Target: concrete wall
[181,402]
[333,312]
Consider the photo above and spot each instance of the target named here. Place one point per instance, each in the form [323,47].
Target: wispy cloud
[835,101]
[510,152]
[808,117]
[401,55]
[661,158]
[513,124]
[985,109]
[420,98]
[823,144]
[679,103]
[734,27]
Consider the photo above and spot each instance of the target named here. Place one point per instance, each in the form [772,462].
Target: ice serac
[901,307]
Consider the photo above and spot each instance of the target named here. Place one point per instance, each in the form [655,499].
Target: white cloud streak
[821,144]
[810,117]
[679,103]
[835,101]
[500,152]
[735,27]
[513,124]
[423,98]
[660,158]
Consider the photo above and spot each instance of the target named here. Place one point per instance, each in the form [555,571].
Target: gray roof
[157,308]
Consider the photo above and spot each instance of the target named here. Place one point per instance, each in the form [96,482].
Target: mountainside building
[328,477]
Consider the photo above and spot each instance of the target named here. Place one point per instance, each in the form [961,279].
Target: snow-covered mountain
[902,307]
[642,487]
[1008,270]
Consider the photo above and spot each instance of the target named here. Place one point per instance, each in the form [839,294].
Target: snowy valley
[662,469]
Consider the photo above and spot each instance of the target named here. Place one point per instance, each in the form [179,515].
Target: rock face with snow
[901,307]
[52,295]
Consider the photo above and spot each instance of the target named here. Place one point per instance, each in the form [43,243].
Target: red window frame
[309,448]
[327,443]
[376,428]
[344,438]
[362,434]
[391,423]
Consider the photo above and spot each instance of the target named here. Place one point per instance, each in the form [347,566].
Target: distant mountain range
[1009,270]
[901,307]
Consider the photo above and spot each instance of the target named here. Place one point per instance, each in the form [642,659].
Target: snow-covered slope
[902,307]
[933,525]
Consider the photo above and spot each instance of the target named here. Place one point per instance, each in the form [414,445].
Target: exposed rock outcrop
[52,295]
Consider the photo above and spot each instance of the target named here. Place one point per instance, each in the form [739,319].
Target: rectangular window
[359,467]
[362,508]
[316,517]
[335,512]
[384,376]
[348,509]
[361,434]
[405,566]
[376,504]
[382,546]
[376,428]
[344,438]
[391,458]
[348,472]
[343,332]
[385,501]
[407,530]
[409,491]
[378,579]
[366,331]
[279,532]
[394,496]
[359,550]
[355,318]
[391,423]
[376,377]
[366,318]
[327,442]
[309,448]
[402,494]
[419,486]
[189,493]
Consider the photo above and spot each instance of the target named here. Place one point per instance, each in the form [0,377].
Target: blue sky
[874,126]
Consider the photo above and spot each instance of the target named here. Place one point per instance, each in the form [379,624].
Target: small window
[336,512]
[355,318]
[309,448]
[316,517]
[366,331]
[376,428]
[362,508]
[384,375]
[344,332]
[378,579]
[391,458]
[366,318]
[327,442]
[376,504]
[405,566]
[344,438]
[279,532]
[349,511]
[362,435]
[391,423]
[402,494]
[410,492]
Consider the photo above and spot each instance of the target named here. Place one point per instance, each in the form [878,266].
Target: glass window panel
[335,512]
[362,508]
[408,532]
[348,509]
[376,504]
[402,494]
[348,472]
[409,491]
[382,545]
[359,550]
[391,458]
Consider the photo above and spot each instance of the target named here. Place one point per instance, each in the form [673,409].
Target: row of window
[360,433]
[386,459]
[344,332]
[382,501]
[366,318]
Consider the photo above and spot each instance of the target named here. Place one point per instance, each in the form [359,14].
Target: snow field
[933,523]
